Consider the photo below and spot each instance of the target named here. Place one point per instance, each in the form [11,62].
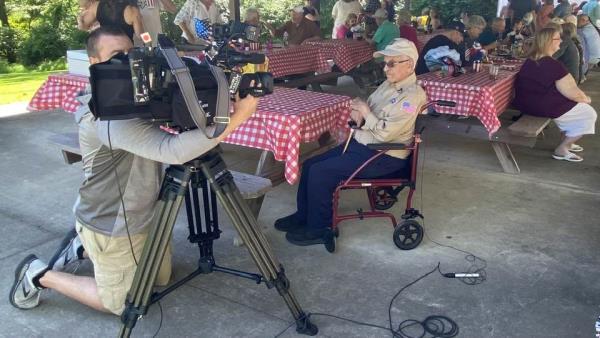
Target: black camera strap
[186,86]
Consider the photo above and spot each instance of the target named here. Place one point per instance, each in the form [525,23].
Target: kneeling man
[388,116]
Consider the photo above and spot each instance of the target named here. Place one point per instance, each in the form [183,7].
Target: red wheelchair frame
[382,193]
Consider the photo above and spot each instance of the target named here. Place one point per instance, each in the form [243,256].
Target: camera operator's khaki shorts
[114,267]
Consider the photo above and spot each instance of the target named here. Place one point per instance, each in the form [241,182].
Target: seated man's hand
[360,110]
[356,117]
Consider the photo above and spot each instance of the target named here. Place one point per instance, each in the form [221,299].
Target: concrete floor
[539,232]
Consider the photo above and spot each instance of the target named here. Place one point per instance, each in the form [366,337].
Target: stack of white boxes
[77,62]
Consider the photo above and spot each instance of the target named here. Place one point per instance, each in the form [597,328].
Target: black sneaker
[308,237]
[69,251]
[289,223]
[24,293]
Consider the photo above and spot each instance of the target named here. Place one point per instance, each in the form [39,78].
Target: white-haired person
[545,88]
[388,116]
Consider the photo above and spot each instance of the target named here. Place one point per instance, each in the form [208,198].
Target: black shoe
[308,237]
[289,223]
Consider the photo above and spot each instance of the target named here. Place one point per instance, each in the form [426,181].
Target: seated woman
[545,88]
[121,14]
[343,31]
[388,115]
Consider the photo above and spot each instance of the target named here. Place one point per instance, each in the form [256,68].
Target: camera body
[143,84]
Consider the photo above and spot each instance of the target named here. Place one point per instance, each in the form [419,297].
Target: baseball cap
[399,47]
[456,25]
[380,14]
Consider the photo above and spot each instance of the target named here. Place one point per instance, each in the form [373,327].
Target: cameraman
[122,163]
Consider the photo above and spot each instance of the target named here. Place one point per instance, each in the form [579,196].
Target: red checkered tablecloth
[345,53]
[59,91]
[289,117]
[475,94]
[294,60]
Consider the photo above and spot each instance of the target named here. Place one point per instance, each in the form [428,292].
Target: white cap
[380,14]
[298,9]
[399,47]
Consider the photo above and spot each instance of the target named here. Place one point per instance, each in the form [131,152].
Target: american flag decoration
[202,28]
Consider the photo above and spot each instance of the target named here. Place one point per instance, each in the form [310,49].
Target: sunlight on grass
[21,86]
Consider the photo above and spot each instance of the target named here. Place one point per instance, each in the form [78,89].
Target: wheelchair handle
[445,103]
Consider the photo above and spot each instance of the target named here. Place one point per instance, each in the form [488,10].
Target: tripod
[209,174]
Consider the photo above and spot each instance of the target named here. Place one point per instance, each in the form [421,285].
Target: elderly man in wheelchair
[388,116]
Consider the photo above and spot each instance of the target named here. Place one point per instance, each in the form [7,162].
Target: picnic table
[283,121]
[287,118]
[477,95]
[347,54]
[59,92]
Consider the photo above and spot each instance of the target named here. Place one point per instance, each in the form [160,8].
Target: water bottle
[285,38]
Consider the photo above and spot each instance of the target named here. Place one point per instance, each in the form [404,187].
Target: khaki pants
[114,266]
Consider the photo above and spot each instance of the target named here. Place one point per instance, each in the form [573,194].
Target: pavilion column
[234,9]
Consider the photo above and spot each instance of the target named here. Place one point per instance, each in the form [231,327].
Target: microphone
[461,275]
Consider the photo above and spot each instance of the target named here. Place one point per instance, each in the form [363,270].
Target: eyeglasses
[391,64]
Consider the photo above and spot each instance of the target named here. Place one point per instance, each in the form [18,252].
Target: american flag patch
[408,107]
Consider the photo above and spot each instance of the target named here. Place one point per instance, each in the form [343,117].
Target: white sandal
[576,148]
[568,157]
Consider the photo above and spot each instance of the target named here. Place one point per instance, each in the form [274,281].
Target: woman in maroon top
[407,31]
[545,88]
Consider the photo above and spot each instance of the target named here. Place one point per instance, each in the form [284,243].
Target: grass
[19,87]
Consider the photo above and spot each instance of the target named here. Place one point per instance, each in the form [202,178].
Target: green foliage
[52,65]
[450,9]
[8,44]
[44,43]
[6,67]
[44,28]
[45,66]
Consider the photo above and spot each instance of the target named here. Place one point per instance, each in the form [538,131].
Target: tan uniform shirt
[394,110]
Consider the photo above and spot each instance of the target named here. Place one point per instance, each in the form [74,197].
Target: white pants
[581,120]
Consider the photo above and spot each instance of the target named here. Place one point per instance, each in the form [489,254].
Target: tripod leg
[138,297]
[260,250]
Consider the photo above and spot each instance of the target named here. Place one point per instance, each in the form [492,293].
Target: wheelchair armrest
[386,146]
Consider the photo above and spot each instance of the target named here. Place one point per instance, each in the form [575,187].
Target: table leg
[266,160]
[506,158]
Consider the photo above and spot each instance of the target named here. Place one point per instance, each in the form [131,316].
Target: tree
[3,14]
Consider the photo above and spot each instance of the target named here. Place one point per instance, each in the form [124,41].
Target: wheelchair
[383,193]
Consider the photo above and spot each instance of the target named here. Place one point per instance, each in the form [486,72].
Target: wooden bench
[253,188]
[523,132]
[529,126]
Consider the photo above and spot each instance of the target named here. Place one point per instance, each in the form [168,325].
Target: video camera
[155,83]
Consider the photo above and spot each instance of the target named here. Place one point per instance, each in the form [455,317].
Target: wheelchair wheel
[330,242]
[336,232]
[408,234]
[385,198]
